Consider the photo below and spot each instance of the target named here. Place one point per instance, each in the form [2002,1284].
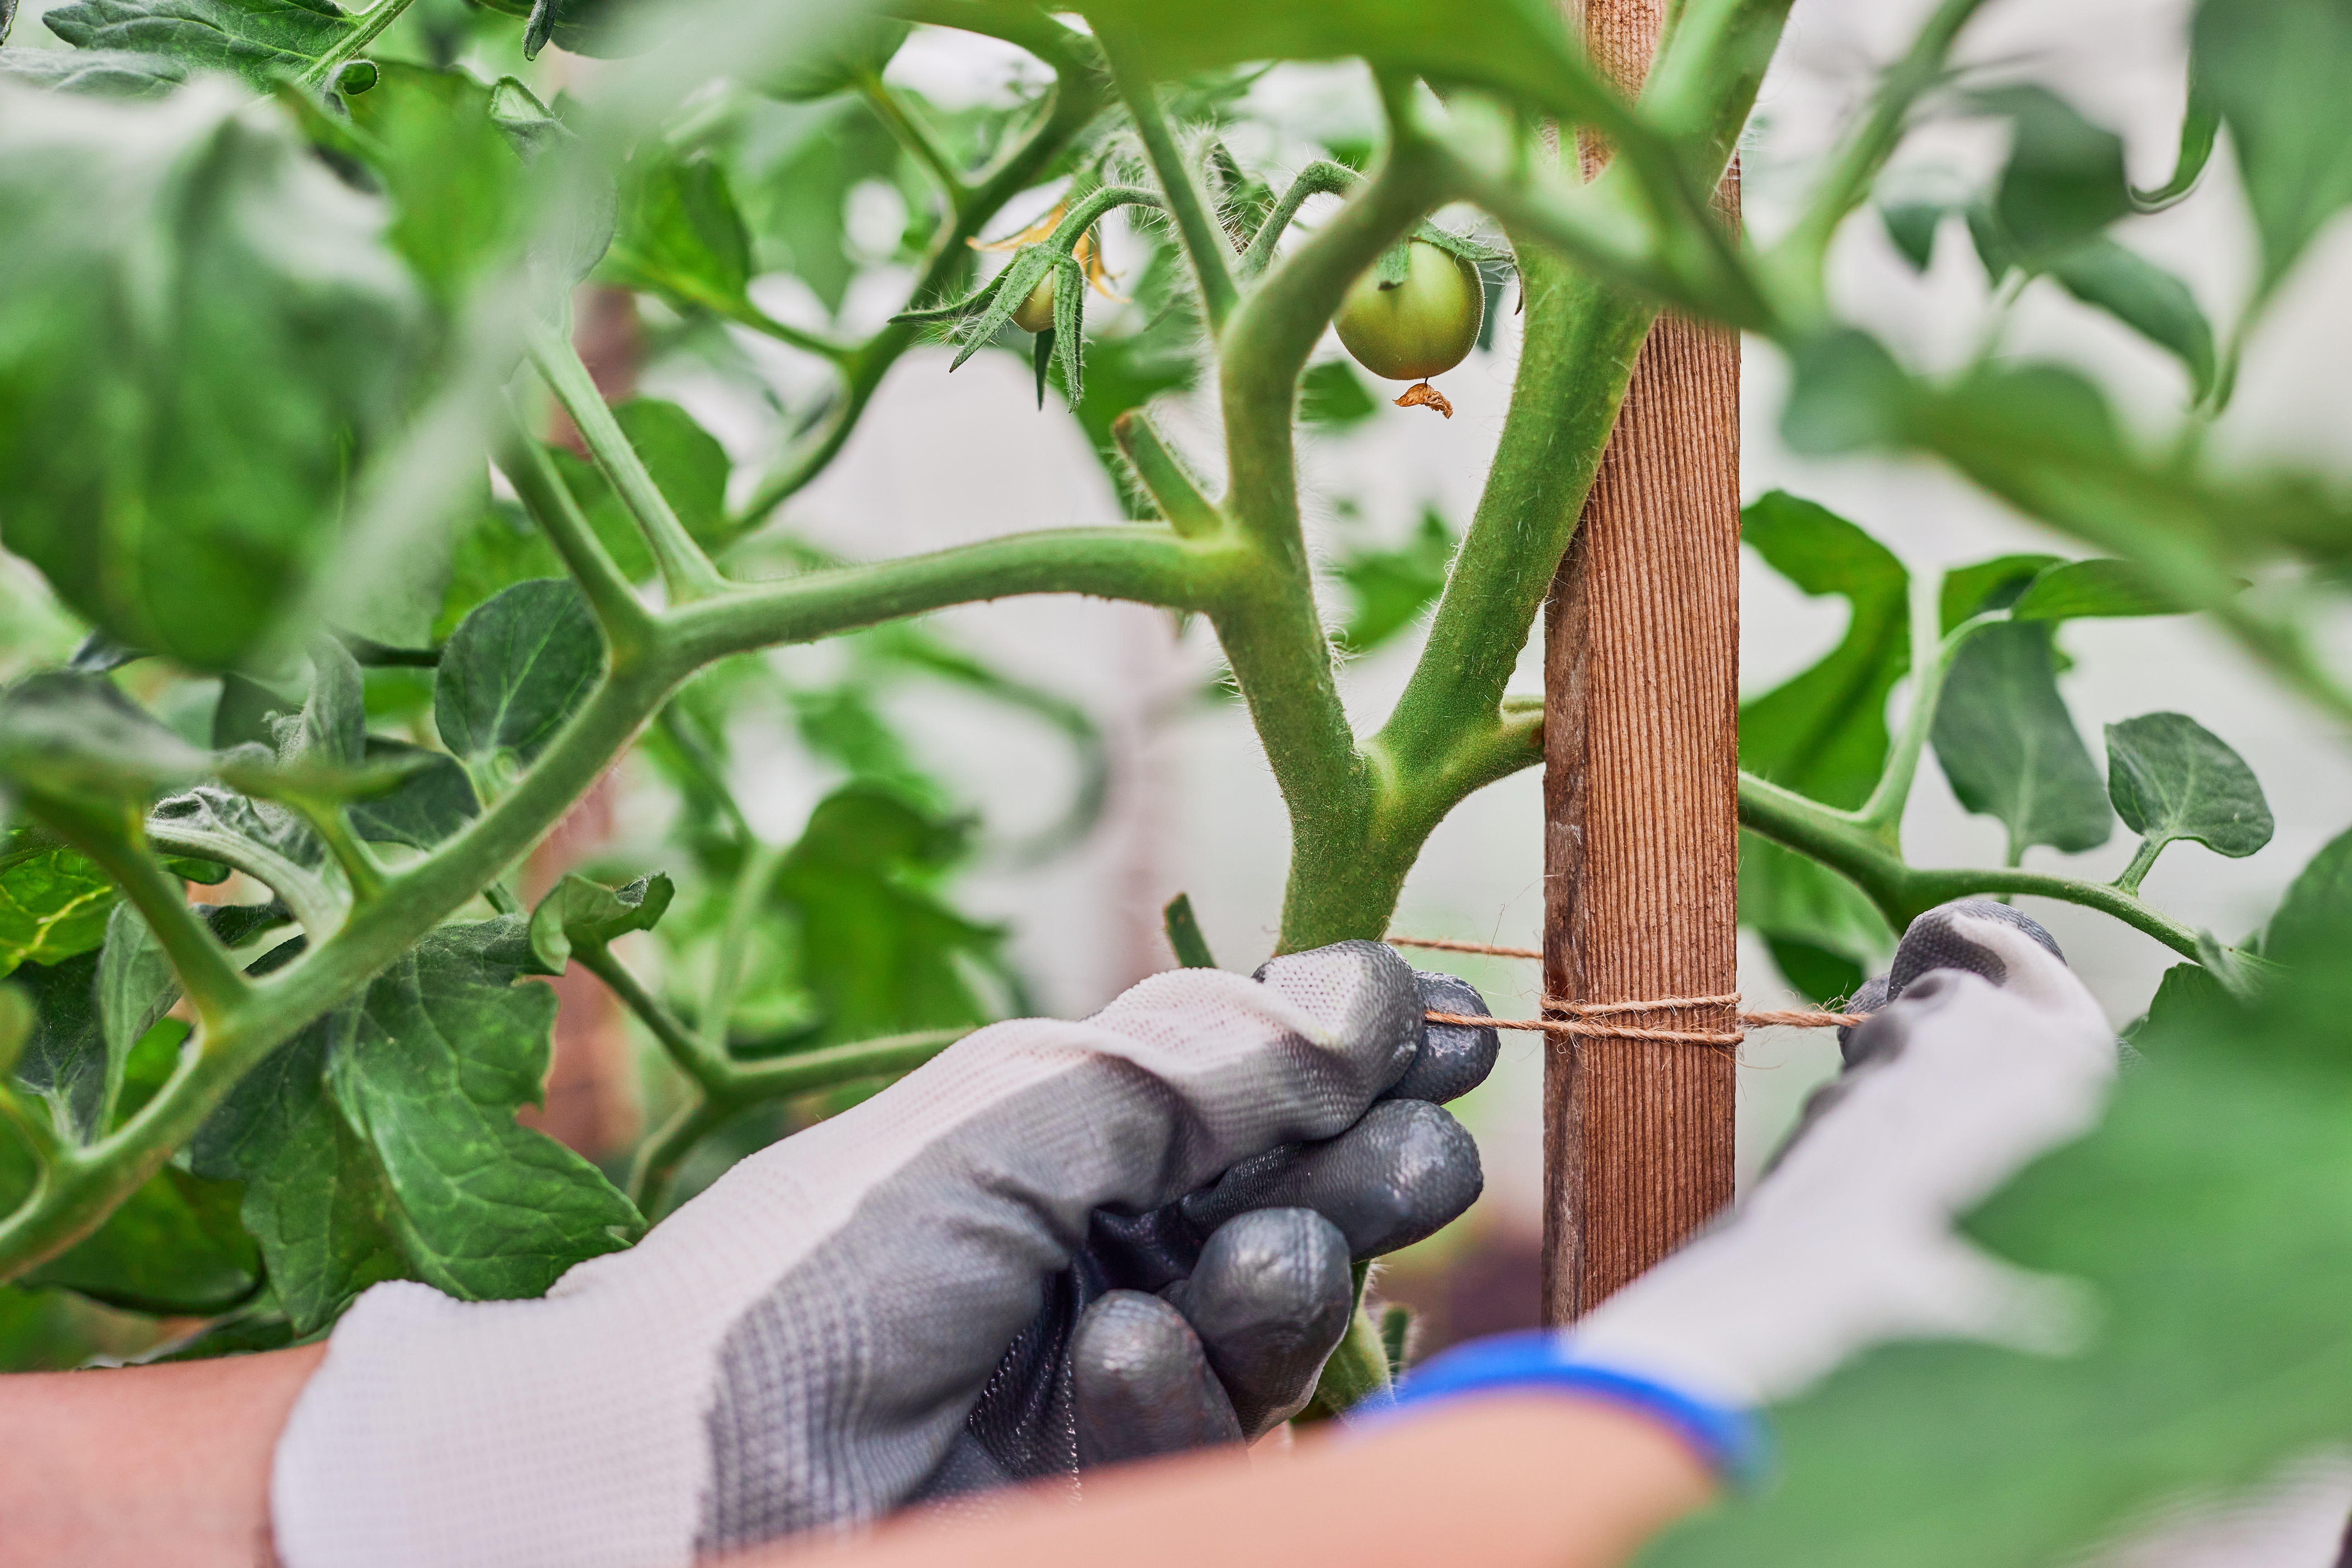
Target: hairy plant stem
[626,623]
[1903,892]
[1203,236]
[113,841]
[1320,178]
[367,26]
[918,141]
[686,571]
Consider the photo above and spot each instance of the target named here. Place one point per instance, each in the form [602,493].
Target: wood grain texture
[1642,640]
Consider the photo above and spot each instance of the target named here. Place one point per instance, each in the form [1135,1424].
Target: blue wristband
[1730,1440]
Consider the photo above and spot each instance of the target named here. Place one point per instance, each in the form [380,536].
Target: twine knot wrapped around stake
[1589,1020]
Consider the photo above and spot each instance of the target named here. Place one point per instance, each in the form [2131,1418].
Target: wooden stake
[1640,675]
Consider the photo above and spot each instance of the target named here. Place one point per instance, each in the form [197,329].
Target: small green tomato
[1419,327]
[1036,313]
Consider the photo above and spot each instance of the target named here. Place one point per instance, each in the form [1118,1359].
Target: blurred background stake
[1640,816]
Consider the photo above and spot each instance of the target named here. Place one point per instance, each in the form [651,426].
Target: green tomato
[1418,328]
[1036,313]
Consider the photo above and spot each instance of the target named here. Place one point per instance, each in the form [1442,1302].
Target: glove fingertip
[1453,1058]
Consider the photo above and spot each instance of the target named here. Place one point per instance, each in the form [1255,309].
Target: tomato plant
[285,326]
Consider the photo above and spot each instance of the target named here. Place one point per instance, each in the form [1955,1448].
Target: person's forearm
[168,1466]
[156,1467]
[1510,1481]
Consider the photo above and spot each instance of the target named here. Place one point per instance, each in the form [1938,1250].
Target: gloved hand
[1058,1244]
[1982,1050]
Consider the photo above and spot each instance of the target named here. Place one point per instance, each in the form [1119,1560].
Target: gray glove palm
[1059,1243]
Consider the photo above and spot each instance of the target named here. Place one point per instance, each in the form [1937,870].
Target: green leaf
[1912,227]
[1823,733]
[174,1248]
[1824,934]
[111,73]
[2319,904]
[382,1141]
[2064,180]
[334,725]
[135,986]
[681,236]
[577,910]
[515,670]
[2145,297]
[53,902]
[75,738]
[595,27]
[1998,584]
[1845,392]
[198,330]
[434,801]
[2009,749]
[2189,1002]
[2275,69]
[1516,46]
[63,1060]
[2172,778]
[1332,396]
[261,42]
[2082,590]
[2211,1218]
[498,549]
[458,194]
[1391,588]
[853,53]
[879,950]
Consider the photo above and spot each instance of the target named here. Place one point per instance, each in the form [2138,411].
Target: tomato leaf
[1333,397]
[454,181]
[878,949]
[53,902]
[1391,588]
[1824,734]
[2064,180]
[174,1248]
[434,801]
[2009,748]
[2145,297]
[680,234]
[175,470]
[111,73]
[2275,69]
[577,910]
[381,1144]
[262,42]
[2319,903]
[75,738]
[2082,590]
[2171,778]
[514,672]
[63,1060]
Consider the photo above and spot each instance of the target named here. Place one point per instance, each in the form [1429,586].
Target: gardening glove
[1056,1244]
[1982,1051]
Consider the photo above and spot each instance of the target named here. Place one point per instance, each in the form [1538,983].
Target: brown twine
[1581,1024]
